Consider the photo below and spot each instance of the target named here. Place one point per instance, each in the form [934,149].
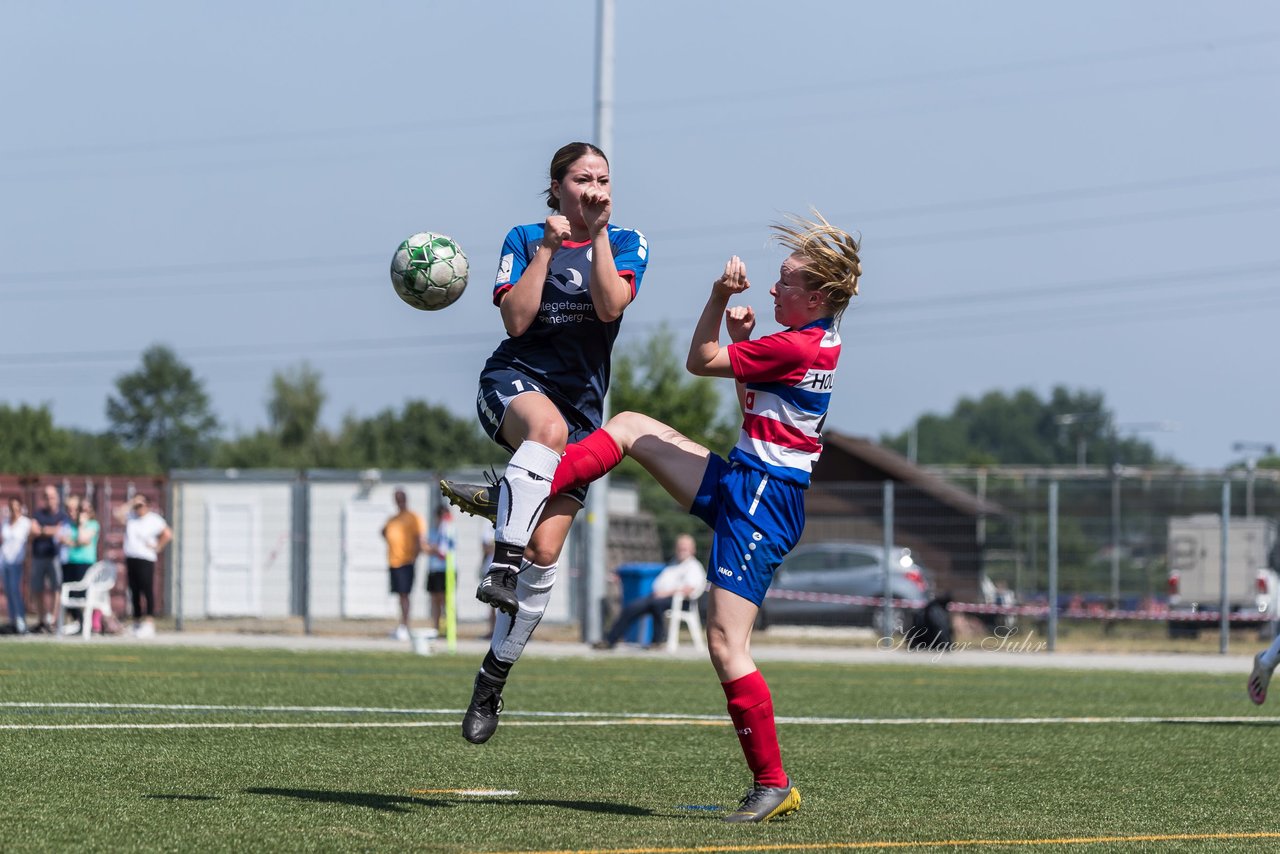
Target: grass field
[280,750]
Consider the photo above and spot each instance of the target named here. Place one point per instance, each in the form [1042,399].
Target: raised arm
[706,357]
[520,305]
[610,293]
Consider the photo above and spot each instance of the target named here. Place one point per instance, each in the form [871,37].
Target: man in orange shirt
[406,534]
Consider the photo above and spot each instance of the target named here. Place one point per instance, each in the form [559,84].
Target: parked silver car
[847,569]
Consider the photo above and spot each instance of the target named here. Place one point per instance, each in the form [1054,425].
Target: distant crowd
[61,542]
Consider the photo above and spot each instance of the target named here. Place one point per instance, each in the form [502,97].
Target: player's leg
[750,706]
[511,632]
[532,425]
[674,460]
[1264,664]
[437,610]
[757,521]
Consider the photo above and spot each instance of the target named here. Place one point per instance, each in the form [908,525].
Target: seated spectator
[685,575]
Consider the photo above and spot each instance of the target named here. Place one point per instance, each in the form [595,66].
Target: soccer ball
[429,271]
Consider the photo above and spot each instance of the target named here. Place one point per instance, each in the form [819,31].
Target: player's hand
[734,278]
[597,206]
[555,232]
[739,321]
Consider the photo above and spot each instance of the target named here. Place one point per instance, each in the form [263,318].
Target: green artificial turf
[615,778]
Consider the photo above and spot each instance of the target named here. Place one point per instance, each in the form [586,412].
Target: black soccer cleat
[473,498]
[762,803]
[481,719]
[498,588]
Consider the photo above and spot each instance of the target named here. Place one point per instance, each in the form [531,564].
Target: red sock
[751,708]
[586,461]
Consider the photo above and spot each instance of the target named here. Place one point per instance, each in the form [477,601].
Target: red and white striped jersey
[789,376]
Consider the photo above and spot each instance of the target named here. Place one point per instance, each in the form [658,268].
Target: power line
[1074,289]
[325,134]
[1207,44]
[996,202]
[288,136]
[484,340]
[312,262]
[309,262]
[1071,224]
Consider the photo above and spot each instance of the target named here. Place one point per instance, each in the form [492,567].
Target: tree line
[160,418]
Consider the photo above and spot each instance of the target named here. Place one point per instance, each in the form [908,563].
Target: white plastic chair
[91,593]
[689,618]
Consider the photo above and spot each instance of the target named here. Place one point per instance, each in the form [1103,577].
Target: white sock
[533,591]
[523,492]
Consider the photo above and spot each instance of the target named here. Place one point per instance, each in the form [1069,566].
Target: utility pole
[1251,468]
[598,497]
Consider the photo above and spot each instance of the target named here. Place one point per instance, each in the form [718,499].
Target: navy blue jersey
[567,347]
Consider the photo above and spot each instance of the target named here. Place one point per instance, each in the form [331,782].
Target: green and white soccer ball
[429,271]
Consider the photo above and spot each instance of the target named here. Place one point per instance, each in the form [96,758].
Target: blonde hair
[833,265]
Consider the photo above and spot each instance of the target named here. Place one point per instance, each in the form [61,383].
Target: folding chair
[91,593]
[688,617]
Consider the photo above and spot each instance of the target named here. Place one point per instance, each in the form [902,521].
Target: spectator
[72,508]
[46,569]
[685,575]
[145,536]
[81,542]
[440,546]
[14,532]
[405,534]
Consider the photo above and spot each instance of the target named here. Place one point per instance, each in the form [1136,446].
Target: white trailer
[1195,567]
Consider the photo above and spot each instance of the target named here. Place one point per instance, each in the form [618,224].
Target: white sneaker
[145,630]
[71,628]
[401,633]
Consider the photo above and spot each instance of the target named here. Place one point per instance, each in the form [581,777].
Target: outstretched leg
[674,460]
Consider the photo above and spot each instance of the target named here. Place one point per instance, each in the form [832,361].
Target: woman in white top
[145,536]
[13,554]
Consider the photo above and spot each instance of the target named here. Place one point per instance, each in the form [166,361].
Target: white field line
[356,710]
[559,718]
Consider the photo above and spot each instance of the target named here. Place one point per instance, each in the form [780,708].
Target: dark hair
[562,160]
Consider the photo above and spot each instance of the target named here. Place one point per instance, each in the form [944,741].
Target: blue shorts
[497,390]
[757,520]
[402,578]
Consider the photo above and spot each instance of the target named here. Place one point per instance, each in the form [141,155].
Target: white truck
[1195,571]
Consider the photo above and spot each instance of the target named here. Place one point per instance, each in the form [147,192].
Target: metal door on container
[365,582]
[233,587]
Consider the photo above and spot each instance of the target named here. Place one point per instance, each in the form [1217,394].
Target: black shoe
[473,498]
[481,719]
[762,803]
[602,645]
[498,588]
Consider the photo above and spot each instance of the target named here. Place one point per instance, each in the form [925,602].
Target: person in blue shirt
[441,542]
[562,286]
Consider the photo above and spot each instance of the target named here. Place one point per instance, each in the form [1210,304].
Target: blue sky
[1083,195]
